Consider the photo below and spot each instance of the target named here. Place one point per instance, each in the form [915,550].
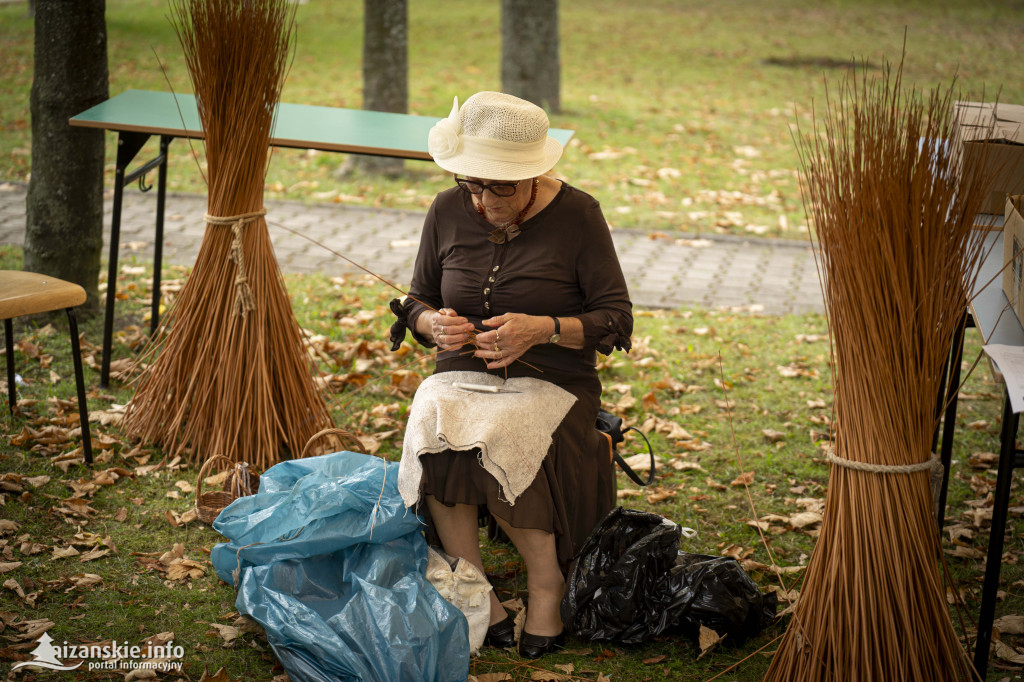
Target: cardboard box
[993,138]
[1013,249]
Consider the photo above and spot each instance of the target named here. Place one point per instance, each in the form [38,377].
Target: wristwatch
[557,336]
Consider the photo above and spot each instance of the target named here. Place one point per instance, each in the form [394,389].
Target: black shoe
[535,646]
[502,634]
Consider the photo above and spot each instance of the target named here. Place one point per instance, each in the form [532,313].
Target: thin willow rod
[384,280]
[745,659]
[746,487]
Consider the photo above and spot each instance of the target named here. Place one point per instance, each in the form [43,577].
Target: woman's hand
[449,330]
[516,333]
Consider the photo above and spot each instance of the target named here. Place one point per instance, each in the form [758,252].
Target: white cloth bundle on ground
[464,586]
[512,428]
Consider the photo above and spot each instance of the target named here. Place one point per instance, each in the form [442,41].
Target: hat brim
[491,169]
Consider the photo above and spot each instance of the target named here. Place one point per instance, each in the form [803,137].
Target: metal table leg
[949,420]
[83,407]
[12,387]
[128,146]
[158,243]
[1000,512]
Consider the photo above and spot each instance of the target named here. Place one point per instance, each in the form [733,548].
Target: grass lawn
[118,519]
[683,112]
[682,109]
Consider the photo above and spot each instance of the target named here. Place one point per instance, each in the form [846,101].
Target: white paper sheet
[1010,360]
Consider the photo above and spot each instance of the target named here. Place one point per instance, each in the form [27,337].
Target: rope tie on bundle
[930,464]
[244,301]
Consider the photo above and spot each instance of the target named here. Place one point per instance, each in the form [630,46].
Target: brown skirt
[573,490]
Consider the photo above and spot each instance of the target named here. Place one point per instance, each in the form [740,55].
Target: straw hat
[494,136]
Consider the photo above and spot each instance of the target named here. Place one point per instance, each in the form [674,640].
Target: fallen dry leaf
[712,483]
[228,633]
[176,552]
[804,519]
[185,568]
[176,519]
[962,552]
[31,629]
[1010,625]
[8,566]
[84,580]
[1007,653]
[650,402]
[660,494]
[31,548]
[746,478]
[248,624]
[983,460]
[75,506]
[220,676]
[681,465]
[737,552]
[640,462]
[94,554]
[708,640]
[14,586]
[654,659]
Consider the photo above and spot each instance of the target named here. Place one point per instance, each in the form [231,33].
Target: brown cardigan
[563,263]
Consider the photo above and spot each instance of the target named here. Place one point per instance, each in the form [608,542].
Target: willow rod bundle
[228,370]
[894,227]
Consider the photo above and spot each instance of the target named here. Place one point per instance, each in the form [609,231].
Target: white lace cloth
[512,430]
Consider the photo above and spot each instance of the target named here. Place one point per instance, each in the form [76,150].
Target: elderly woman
[518,286]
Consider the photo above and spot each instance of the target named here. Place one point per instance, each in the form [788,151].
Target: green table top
[301,126]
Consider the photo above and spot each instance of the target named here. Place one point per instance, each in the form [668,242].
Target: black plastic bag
[715,591]
[630,582]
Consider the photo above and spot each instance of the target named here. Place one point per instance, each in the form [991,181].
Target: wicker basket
[331,440]
[240,481]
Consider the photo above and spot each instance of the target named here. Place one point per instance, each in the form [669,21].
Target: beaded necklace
[510,230]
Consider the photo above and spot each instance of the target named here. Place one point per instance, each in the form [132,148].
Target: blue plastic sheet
[336,603]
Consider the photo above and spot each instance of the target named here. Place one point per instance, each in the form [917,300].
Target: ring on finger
[496,349]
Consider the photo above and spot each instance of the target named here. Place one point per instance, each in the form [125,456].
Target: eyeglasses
[498,189]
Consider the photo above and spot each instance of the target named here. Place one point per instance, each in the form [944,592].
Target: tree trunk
[385,71]
[64,207]
[530,64]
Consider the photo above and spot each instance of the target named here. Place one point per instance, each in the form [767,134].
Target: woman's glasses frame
[498,189]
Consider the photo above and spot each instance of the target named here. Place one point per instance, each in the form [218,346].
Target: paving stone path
[770,276]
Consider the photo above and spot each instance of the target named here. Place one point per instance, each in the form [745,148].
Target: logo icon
[46,656]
